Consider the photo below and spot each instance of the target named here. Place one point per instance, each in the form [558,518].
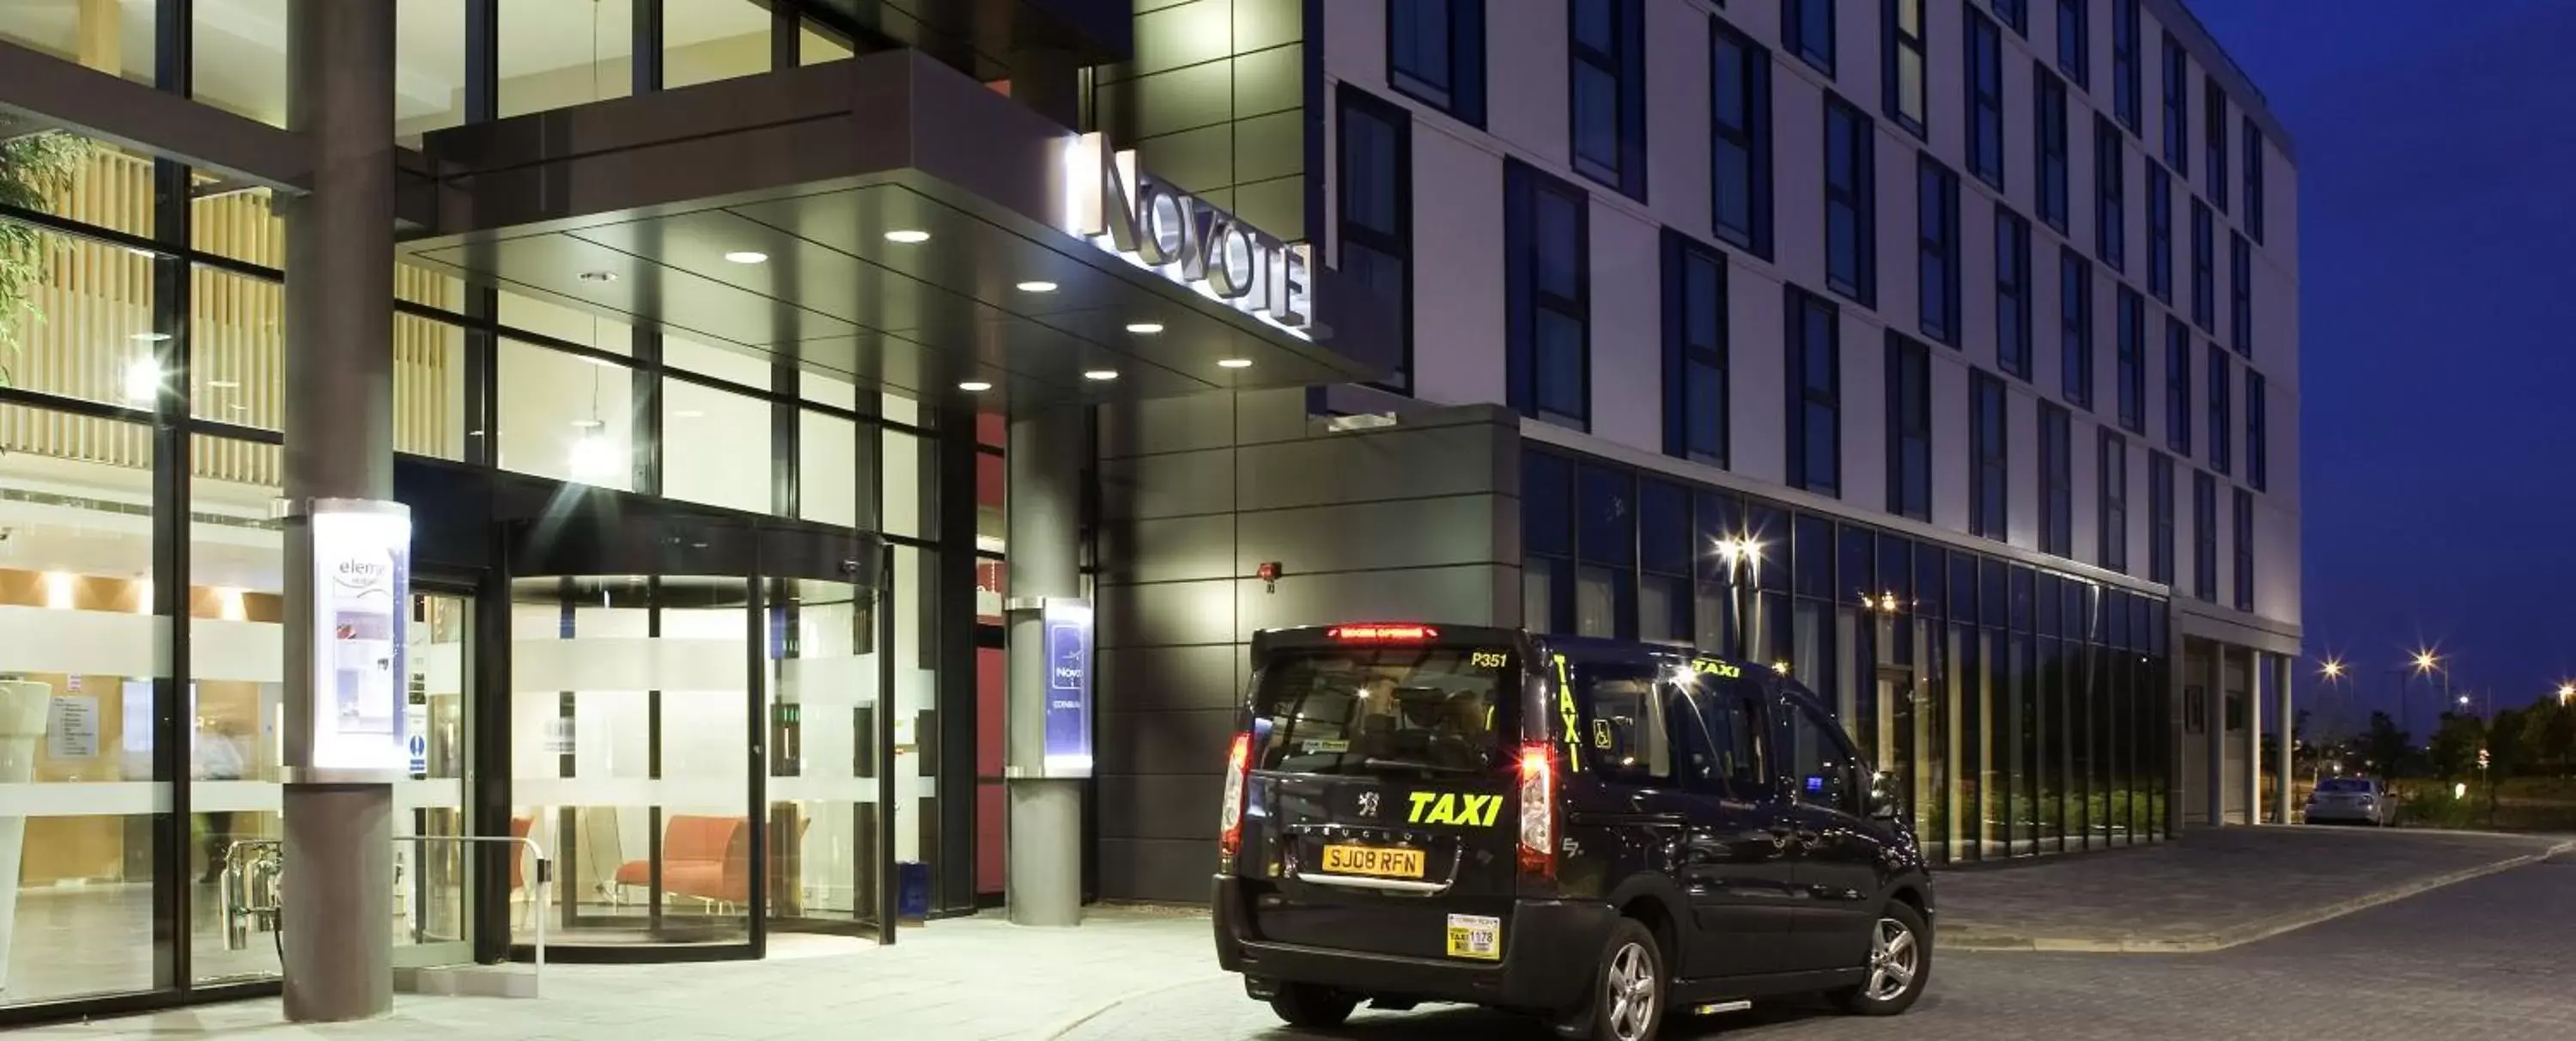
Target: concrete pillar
[338,915]
[2177,786]
[1049,454]
[2285,738]
[2214,714]
[2257,664]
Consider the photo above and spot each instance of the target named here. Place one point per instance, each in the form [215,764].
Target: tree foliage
[36,165]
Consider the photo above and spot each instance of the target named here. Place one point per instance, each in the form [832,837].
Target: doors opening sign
[1118,207]
[1066,748]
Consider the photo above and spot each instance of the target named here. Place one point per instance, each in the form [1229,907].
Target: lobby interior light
[143,381]
[1144,328]
[747,256]
[974,386]
[1037,286]
[1234,363]
[908,236]
[61,589]
[591,459]
[1101,375]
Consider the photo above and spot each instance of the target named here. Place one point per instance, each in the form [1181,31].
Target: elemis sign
[1114,205]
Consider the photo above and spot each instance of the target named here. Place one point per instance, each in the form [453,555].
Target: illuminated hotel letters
[1115,206]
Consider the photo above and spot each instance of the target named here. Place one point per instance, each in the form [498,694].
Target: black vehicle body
[1757,878]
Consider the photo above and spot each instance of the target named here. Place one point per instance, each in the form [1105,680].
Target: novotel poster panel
[361,611]
[1066,746]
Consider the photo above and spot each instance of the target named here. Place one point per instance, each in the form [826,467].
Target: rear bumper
[1550,950]
[2322,814]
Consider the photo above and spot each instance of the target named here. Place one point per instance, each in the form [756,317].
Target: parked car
[2352,800]
[1591,831]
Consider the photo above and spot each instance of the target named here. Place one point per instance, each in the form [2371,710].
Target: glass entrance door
[430,897]
[826,729]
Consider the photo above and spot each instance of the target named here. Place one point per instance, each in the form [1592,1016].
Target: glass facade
[2021,710]
[649,723]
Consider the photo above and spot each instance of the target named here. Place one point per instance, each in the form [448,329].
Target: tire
[1900,964]
[1316,1008]
[1628,990]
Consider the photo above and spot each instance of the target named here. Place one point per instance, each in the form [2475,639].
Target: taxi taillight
[1238,764]
[1538,809]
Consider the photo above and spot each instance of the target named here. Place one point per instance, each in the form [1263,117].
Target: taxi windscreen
[1405,711]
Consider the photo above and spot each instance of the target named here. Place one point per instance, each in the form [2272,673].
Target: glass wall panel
[823,812]
[429,388]
[548,318]
[566,417]
[915,705]
[708,40]
[240,59]
[237,667]
[106,35]
[815,46]
[236,328]
[630,754]
[429,68]
[561,53]
[828,465]
[80,651]
[907,493]
[715,447]
[731,364]
[826,388]
[85,330]
[992,491]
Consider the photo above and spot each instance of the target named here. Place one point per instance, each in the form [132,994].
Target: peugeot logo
[1368,804]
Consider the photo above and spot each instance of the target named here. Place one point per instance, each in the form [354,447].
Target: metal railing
[254,880]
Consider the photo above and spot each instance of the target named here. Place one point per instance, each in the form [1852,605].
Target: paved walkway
[2211,890]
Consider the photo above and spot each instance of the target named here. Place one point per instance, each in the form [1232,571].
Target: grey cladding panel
[1161,104]
[1403,534]
[1160,870]
[1168,613]
[1160,807]
[1402,464]
[1167,550]
[1153,426]
[1458,595]
[1146,679]
[1178,485]
[1158,743]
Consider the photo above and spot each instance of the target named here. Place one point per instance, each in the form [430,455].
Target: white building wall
[1459,276]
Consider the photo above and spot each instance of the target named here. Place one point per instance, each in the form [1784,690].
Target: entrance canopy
[885,218]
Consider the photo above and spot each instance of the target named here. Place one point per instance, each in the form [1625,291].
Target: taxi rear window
[1408,711]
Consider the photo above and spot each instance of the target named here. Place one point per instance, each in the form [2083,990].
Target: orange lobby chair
[704,857]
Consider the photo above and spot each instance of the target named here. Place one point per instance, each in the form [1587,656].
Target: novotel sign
[1119,208]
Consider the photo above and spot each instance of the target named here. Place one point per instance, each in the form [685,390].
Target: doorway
[432,898]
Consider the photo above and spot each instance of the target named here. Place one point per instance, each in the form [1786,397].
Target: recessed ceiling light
[745,256]
[1037,287]
[1235,363]
[599,276]
[151,337]
[974,386]
[907,236]
[1144,328]
[1101,375]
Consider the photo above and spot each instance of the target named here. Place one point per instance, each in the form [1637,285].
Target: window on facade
[2204,536]
[1609,93]
[2253,161]
[2240,300]
[2160,509]
[1985,100]
[2075,325]
[1909,428]
[2244,550]
[1548,284]
[2159,232]
[1435,54]
[1740,138]
[1851,193]
[2015,13]
[2056,481]
[1815,393]
[1807,26]
[2012,293]
[1377,213]
[1547,537]
[1695,385]
[1605,551]
[2204,269]
[1989,448]
[2178,387]
[2177,91]
[2258,452]
[2213,132]
[2131,330]
[2113,550]
[1665,551]
[2075,41]
[2124,62]
[1906,101]
[2111,195]
[1937,267]
[2051,106]
[2221,447]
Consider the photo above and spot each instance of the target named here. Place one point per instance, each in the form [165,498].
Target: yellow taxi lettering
[1475,811]
[1565,709]
[1488,659]
[1420,800]
[1719,669]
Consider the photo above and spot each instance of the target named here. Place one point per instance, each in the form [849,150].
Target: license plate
[1373,860]
[1475,936]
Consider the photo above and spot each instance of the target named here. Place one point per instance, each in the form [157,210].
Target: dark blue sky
[2437,303]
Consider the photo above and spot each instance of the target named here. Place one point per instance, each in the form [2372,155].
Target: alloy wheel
[1894,958]
[1632,995]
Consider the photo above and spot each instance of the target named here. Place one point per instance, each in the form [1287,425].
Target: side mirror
[1883,803]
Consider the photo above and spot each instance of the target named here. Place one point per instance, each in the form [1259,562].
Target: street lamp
[2427,662]
[2566,693]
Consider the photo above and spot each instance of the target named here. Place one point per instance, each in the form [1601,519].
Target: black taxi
[1592,831]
